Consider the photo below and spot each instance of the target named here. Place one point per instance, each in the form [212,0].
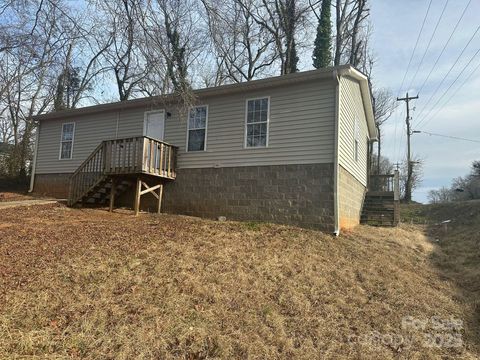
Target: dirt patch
[88,283]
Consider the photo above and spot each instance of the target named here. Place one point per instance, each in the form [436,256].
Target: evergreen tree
[289,23]
[322,54]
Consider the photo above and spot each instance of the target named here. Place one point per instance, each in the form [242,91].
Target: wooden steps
[381,203]
[379,209]
[101,192]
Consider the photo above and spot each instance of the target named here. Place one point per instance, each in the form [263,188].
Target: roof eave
[366,97]
[218,90]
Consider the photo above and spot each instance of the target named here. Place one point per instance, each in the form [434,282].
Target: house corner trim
[336,207]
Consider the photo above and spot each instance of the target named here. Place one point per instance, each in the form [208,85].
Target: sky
[396,28]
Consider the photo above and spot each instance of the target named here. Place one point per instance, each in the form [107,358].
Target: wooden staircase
[101,192]
[381,204]
[118,165]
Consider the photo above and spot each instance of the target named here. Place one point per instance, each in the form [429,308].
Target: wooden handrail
[144,137]
[87,160]
[124,156]
[382,183]
[87,174]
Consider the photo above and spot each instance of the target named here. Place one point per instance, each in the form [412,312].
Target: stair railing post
[161,169]
[396,197]
[144,154]
[396,186]
[104,157]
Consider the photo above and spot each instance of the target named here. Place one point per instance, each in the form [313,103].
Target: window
[197,128]
[356,139]
[257,123]
[66,141]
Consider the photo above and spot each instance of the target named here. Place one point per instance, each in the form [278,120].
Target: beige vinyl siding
[90,131]
[301,130]
[351,108]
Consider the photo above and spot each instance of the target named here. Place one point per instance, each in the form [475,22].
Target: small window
[257,123]
[356,140]
[197,128]
[66,142]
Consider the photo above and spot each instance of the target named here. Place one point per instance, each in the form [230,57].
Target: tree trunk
[338,36]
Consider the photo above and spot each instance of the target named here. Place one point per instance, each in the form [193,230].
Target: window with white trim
[356,140]
[257,123]
[197,128]
[66,141]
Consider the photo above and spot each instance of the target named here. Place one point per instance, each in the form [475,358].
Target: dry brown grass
[90,284]
[14,196]
[458,255]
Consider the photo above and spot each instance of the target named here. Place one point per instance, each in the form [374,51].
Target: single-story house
[289,149]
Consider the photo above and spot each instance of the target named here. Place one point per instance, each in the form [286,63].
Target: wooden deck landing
[111,167]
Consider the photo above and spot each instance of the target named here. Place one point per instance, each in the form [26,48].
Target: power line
[449,71]
[445,136]
[448,89]
[445,46]
[429,43]
[469,76]
[415,47]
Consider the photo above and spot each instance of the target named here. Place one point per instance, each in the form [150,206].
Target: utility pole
[408,185]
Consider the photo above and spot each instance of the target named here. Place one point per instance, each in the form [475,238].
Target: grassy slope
[86,283]
[458,252]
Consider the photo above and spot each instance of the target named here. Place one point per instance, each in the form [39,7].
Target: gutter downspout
[336,201]
[34,165]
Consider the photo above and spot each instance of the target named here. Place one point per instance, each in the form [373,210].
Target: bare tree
[28,73]
[383,164]
[384,105]
[417,175]
[6,134]
[181,40]
[360,13]
[351,25]
[82,64]
[442,195]
[282,19]
[124,55]
[176,39]
[245,48]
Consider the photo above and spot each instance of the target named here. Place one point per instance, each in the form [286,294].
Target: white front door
[154,124]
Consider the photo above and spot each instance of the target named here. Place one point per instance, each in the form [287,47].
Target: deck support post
[112,194]
[160,194]
[148,189]
[137,196]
